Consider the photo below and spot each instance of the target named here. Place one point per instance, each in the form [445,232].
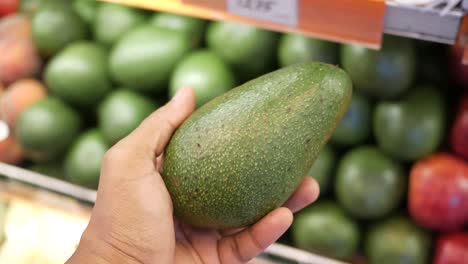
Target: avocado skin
[244,153]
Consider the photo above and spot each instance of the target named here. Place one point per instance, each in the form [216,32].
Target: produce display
[78,76]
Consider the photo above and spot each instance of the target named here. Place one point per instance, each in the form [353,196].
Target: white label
[276,11]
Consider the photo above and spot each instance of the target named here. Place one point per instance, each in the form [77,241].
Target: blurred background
[77,76]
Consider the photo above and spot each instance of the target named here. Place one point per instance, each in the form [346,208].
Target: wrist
[94,250]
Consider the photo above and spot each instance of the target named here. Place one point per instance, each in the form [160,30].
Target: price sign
[348,21]
[276,11]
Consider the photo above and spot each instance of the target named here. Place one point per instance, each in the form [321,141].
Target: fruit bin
[394,172]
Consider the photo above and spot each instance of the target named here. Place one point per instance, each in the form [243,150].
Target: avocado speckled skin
[244,153]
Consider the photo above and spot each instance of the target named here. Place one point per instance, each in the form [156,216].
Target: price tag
[275,11]
[348,21]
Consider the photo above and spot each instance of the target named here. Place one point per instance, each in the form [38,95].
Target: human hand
[132,220]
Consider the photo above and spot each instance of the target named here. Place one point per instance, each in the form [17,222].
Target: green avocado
[205,73]
[249,50]
[113,21]
[86,9]
[47,128]
[397,240]
[83,161]
[193,27]
[121,112]
[79,74]
[412,127]
[355,127]
[55,25]
[145,58]
[324,228]
[323,168]
[385,73]
[244,153]
[297,48]
[368,183]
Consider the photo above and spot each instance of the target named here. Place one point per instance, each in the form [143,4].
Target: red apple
[452,249]
[459,133]
[458,70]
[8,7]
[438,192]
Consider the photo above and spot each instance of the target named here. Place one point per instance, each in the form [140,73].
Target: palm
[195,245]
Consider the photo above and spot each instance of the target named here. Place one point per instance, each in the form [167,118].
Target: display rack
[421,23]
[353,21]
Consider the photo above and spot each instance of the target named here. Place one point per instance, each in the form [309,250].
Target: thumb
[156,130]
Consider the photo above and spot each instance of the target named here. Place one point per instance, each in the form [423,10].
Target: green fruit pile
[396,117]
[109,66]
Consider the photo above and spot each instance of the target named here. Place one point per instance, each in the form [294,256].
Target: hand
[132,220]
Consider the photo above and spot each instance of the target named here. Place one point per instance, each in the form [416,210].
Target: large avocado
[244,153]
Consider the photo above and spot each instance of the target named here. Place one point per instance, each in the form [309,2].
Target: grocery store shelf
[300,256]
[368,19]
[421,23]
[48,183]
